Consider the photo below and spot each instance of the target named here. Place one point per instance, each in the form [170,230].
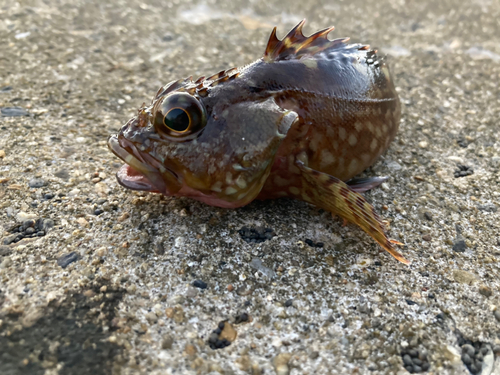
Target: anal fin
[360,185]
[336,196]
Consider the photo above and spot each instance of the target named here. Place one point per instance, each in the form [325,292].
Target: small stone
[200,284]
[488,207]
[452,354]
[417,369]
[167,342]
[6,263]
[98,211]
[30,223]
[485,291]
[241,318]
[2,154]
[191,292]
[37,183]
[29,231]
[469,349]
[23,216]
[459,245]
[159,248]
[407,360]
[84,223]
[176,313]
[124,216]
[228,333]
[13,112]
[5,250]
[413,353]
[423,144]
[464,277]
[417,361]
[428,215]
[288,302]
[47,224]
[66,259]
[427,237]
[9,239]
[214,336]
[151,317]
[280,363]
[314,355]
[190,349]
[496,313]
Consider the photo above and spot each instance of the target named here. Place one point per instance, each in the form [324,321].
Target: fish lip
[136,174]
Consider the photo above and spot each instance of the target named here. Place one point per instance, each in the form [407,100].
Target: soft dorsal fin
[295,45]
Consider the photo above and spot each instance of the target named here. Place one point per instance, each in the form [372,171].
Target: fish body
[298,122]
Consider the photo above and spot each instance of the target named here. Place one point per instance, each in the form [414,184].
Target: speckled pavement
[96,279]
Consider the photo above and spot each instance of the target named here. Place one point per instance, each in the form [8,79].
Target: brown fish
[298,122]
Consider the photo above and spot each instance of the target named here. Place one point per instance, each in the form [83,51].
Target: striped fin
[334,195]
[295,45]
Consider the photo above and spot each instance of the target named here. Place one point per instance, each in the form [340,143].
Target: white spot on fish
[353,140]
[326,159]
[366,158]
[230,190]
[342,133]
[294,190]
[374,144]
[353,166]
[240,181]
[217,187]
[369,125]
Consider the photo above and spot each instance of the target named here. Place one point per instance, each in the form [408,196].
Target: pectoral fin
[337,197]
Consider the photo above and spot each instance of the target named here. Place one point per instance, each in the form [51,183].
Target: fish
[300,122]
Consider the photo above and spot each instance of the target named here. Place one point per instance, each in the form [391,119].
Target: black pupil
[177,119]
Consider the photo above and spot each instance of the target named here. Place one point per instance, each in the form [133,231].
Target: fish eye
[179,115]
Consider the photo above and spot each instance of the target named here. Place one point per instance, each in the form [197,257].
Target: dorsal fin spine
[295,45]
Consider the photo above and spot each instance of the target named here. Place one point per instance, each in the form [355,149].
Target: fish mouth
[141,171]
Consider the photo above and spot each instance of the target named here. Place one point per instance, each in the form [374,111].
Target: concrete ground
[96,279]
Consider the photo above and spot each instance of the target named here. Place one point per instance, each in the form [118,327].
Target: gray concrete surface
[125,303]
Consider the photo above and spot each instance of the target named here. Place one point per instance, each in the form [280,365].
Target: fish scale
[299,122]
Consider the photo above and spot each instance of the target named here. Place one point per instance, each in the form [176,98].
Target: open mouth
[132,179]
[135,174]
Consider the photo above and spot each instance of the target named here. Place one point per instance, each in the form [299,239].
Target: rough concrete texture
[113,280]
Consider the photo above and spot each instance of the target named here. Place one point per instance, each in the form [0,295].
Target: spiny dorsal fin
[295,45]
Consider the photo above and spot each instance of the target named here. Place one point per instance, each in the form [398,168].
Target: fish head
[218,147]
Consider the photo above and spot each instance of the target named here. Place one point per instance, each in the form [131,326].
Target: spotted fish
[299,122]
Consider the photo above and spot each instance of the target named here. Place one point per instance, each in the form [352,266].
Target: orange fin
[334,195]
[295,45]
